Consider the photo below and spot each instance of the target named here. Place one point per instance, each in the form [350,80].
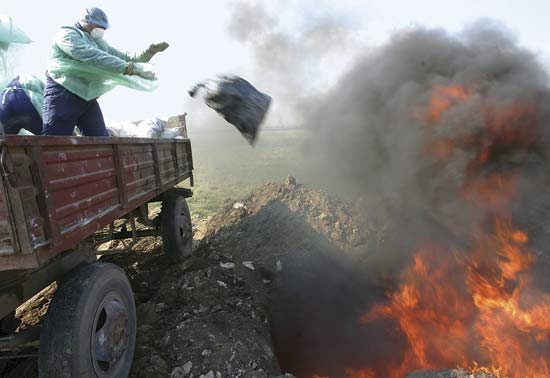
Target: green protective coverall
[34,89]
[90,68]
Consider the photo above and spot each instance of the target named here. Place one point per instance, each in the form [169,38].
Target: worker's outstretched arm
[143,57]
[119,54]
[77,48]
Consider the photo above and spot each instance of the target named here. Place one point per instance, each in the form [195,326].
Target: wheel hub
[111,335]
[183,225]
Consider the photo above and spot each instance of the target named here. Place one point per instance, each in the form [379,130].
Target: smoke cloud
[288,65]
[374,137]
[451,131]
[448,134]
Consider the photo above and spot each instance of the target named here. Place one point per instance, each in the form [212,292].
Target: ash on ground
[450,374]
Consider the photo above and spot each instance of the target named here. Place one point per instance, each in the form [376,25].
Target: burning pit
[440,262]
[452,132]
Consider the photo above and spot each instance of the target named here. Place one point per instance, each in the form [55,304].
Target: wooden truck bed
[57,191]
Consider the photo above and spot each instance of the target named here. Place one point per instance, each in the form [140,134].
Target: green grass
[226,166]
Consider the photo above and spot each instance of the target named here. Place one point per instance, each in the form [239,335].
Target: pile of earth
[209,316]
[235,308]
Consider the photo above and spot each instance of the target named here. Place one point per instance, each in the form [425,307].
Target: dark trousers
[17,111]
[63,110]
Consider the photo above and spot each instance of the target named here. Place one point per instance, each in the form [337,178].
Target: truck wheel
[90,327]
[176,227]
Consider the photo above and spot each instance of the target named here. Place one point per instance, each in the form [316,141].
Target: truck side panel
[138,171]
[71,187]
[21,158]
[81,183]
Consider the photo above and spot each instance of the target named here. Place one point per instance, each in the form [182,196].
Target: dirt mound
[334,220]
[209,316]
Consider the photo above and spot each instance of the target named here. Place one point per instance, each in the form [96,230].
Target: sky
[201,45]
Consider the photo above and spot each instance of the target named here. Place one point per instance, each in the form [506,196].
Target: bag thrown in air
[236,100]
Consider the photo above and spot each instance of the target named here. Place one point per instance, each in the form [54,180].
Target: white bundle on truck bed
[174,127]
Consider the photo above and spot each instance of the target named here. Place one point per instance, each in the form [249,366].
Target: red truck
[61,197]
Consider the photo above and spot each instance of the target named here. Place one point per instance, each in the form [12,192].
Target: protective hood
[9,33]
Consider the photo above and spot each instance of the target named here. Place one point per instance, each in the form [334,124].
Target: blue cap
[96,16]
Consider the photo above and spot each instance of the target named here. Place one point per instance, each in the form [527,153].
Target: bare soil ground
[208,316]
[211,316]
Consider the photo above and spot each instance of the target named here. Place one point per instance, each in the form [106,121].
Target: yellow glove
[153,50]
[158,47]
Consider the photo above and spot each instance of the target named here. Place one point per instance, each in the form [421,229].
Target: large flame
[443,98]
[473,307]
[464,310]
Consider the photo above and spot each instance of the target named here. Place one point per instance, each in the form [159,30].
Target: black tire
[176,227]
[94,303]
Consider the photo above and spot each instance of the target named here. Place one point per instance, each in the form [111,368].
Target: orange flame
[513,124]
[443,98]
[475,316]
[432,316]
[473,307]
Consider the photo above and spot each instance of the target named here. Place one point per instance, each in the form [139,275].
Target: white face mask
[97,33]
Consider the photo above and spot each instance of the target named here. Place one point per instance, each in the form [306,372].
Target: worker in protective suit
[21,98]
[21,105]
[82,67]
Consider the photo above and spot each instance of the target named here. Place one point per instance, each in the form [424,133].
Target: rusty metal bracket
[19,339]
[186,193]
[143,216]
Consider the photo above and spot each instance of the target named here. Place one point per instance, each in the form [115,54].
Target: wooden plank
[175,157]
[122,193]
[45,201]
[17,140]
[158,177]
